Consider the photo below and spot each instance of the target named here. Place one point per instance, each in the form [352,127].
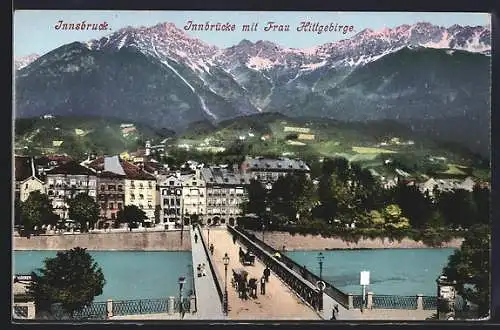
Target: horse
[252,285]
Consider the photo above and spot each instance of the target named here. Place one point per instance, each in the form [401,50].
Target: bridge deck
[207,299]
[279,302]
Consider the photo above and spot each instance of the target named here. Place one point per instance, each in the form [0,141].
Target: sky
[35,32]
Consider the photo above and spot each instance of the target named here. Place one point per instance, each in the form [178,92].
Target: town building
[170,191]
[110,188]
[140,190]
[182,198]
[194,196]
[27,178]
[446,185]
[122,183]
[68,180]
[225,192]
[46,163]
[268,170]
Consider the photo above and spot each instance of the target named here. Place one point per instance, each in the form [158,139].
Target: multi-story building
[66,181]
[268,170]
[170,191]
[225,191]
[194,196]
[140,190]
[121,183]
[27,178]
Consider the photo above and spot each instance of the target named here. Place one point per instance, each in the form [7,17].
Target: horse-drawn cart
[246,259]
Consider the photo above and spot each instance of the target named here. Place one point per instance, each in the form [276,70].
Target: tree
[377,219]
[394,218]
[457,207]
[83,209]
[470,267]
[481,198]
[256,199]
[132,215]
[72,278]
[416,206]
[37,211]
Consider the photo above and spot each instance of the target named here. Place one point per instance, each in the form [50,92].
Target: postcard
[197,165]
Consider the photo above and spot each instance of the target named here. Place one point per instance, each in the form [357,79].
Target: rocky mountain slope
[161,76]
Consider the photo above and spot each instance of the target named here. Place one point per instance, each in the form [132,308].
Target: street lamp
[321,257]
[226,263]
[182,281]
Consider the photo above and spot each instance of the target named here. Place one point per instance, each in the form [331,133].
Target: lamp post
[182,281]
[226,263]
[321,257]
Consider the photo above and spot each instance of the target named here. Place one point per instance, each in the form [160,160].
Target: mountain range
[162,77]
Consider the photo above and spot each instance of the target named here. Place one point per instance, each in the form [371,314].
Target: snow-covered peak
[23,61]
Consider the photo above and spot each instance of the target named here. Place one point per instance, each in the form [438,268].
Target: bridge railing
[107,309]
[215,274]
[300,286]
[339,296]
[374,301]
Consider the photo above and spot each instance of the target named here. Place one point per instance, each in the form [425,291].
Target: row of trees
[37,211]
[346,193]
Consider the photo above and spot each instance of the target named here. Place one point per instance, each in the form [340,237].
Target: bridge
[292,294]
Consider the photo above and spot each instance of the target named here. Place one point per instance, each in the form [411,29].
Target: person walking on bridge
[267,273]
[196,238]
[262,285]
[211,249]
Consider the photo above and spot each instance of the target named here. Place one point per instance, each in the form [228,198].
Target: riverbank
[109,241]
[309,242]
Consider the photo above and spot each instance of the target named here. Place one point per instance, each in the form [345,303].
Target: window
[120,187]
[141,196]
[26,186]
[120,206]
[103,187]
[132,196]
[113,216]
[171,183]
[111,206]
[194,183]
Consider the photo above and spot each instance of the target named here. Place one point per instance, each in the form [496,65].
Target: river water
[128,274]
[143,275]
[392,271]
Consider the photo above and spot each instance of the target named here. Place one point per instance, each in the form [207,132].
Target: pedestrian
[263,285]
[203,270]
[267,273]
[211,249]
[234,239]
[196,238]
[199,270]
[335,312]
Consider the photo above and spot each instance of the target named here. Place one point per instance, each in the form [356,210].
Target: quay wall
[310,242]
[109,241]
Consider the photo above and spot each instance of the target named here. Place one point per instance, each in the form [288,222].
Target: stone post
[420,301]
[369,300]
[171,305]
[109,308]
[192,304]
[31,310]
[350,301]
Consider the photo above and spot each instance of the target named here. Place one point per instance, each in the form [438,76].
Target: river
[392,271]
[128,274]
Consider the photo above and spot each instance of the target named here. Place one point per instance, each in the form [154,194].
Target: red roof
[132,171]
